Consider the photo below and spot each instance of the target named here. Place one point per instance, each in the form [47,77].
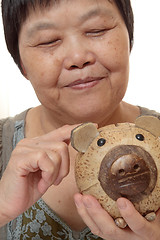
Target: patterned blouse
[40,222]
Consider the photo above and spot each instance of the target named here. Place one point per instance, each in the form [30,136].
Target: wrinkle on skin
[50,69]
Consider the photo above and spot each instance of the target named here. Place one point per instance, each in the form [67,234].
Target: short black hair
[126,11]
[14,13]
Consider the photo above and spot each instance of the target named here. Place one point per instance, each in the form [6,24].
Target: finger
[54,163]
[60,134]
[157,216]
[49,164]
[62,150]
[44,160]
[98,220]
[134,219]
[59,147]
[78,198]
[62,168]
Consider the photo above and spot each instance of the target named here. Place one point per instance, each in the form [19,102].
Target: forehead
[42,6]
[57,12]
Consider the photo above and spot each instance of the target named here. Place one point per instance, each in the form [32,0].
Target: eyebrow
[41,26]
[96,12]
[47,25]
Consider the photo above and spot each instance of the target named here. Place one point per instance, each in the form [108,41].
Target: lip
[85,83]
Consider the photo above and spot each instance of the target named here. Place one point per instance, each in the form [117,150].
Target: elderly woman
[76,55]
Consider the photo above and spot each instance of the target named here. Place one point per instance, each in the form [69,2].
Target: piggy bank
[121,160]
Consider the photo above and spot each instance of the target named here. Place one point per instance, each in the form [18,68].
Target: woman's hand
[101,224]
[35,165]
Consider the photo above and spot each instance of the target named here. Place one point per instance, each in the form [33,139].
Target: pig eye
[101,142]
[140,137]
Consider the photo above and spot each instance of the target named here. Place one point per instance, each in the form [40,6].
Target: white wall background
[16,93]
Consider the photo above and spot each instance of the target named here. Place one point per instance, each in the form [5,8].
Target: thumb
[136,222]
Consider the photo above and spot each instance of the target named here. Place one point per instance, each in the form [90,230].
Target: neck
[123,113]
[41,120]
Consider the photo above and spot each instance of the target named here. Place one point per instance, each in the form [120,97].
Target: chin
[96,114]
[95,117]
[90,111]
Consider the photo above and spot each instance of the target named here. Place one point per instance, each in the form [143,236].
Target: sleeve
[2,121]
[146,111]
[3,230]
[1,127]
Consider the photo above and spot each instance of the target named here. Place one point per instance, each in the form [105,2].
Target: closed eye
[49,43]
[96,32]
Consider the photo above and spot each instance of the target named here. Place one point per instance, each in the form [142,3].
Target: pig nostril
[121,172]
[136,167]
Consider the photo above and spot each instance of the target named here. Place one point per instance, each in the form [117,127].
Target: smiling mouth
[84,83]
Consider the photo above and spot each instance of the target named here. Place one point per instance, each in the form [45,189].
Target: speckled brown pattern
[88,165]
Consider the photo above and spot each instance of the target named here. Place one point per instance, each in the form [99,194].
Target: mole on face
[126,171]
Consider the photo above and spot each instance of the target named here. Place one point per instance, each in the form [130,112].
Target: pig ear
[83,135]
[149,123]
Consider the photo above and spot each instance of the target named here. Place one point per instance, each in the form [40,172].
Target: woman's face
[76,56]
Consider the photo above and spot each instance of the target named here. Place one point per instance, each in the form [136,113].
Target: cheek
[42,69]
[115,52]
[116,60]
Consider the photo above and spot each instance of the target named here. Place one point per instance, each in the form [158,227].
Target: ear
[83,135]
[149,123]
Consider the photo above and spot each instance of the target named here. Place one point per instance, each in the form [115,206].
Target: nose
[78,56]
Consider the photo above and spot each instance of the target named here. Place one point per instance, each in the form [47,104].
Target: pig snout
[128,171]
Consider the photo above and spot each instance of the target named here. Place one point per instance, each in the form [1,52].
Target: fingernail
[78,202]
[87,203]
[121,203]
[57,182]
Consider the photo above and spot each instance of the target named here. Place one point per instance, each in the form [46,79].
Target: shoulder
[7,128]
[7,125]
[2,122]
[146,111]
[9,122]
